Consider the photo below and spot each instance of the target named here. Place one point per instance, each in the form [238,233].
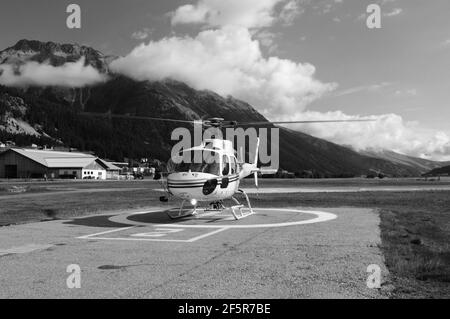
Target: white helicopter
[213,180]
[217,176]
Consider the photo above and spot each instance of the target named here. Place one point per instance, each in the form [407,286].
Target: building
[112,171]
[33,163]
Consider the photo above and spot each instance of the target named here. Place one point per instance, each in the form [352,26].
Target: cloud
[290,12]
[141,34]
[406,93]
[362,16]
[388,131]
[362,88]
[445,43]
[393,13]
[267,40]
[321,7]
[71,74]
[218,13]
[327,8]
[229,62]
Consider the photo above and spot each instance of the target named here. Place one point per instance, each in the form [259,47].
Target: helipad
[156,226]
[287,252]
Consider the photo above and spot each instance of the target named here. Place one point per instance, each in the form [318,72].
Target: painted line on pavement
[24,249]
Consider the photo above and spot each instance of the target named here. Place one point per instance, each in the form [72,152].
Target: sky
[291,59]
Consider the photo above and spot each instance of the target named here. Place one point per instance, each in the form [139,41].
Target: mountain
[423,165]
[439,171]
[172,99]
[51,116]
[54,54]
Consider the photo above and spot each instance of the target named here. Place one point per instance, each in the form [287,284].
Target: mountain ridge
[424,165]
[445,170]
[54,53]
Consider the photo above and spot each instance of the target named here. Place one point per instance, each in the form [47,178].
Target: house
[112,171]
[33,163]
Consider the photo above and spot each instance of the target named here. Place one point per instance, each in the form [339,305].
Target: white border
[320,217]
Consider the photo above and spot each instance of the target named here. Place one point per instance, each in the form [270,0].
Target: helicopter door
[225,171]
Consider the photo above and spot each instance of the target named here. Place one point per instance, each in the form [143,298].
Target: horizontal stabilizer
[267,171]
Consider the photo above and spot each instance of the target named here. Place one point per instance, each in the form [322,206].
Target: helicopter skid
[177,215]
[238,212]
[182,212]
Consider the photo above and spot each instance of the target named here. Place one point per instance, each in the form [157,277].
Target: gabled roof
[108,165]
[53,159]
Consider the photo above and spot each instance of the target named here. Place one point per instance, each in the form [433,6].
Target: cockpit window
[226,165]
[234,166]
[195,161]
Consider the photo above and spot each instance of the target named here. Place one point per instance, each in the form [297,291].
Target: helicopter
[214,180]
[217,176]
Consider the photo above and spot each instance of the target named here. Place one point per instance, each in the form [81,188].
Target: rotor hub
[218,122]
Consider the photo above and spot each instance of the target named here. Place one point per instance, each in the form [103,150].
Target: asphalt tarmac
[276,253]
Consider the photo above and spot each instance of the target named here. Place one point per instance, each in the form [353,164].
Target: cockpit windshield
[199,161]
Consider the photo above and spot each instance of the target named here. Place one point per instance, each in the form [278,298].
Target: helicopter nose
[209,186]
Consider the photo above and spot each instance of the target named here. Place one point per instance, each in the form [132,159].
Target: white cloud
[267,40]
[362,16]
[71,74]
[290,12]
[445,43]
[216,13]
[406,93]
[327,8]
[388,131]
[362,88]
[322,6]
[229,62]
[141,34]
[393,13]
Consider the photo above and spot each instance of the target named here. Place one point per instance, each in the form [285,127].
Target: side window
[226,165]
[234,168]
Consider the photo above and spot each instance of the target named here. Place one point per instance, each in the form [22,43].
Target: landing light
[193,202]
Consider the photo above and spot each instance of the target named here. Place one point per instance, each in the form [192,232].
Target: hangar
[33,163]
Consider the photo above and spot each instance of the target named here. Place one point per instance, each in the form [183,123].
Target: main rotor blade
[209,122]
[136,117]
[302,122]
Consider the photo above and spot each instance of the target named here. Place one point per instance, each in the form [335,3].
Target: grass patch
[65,206]
[417,251]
